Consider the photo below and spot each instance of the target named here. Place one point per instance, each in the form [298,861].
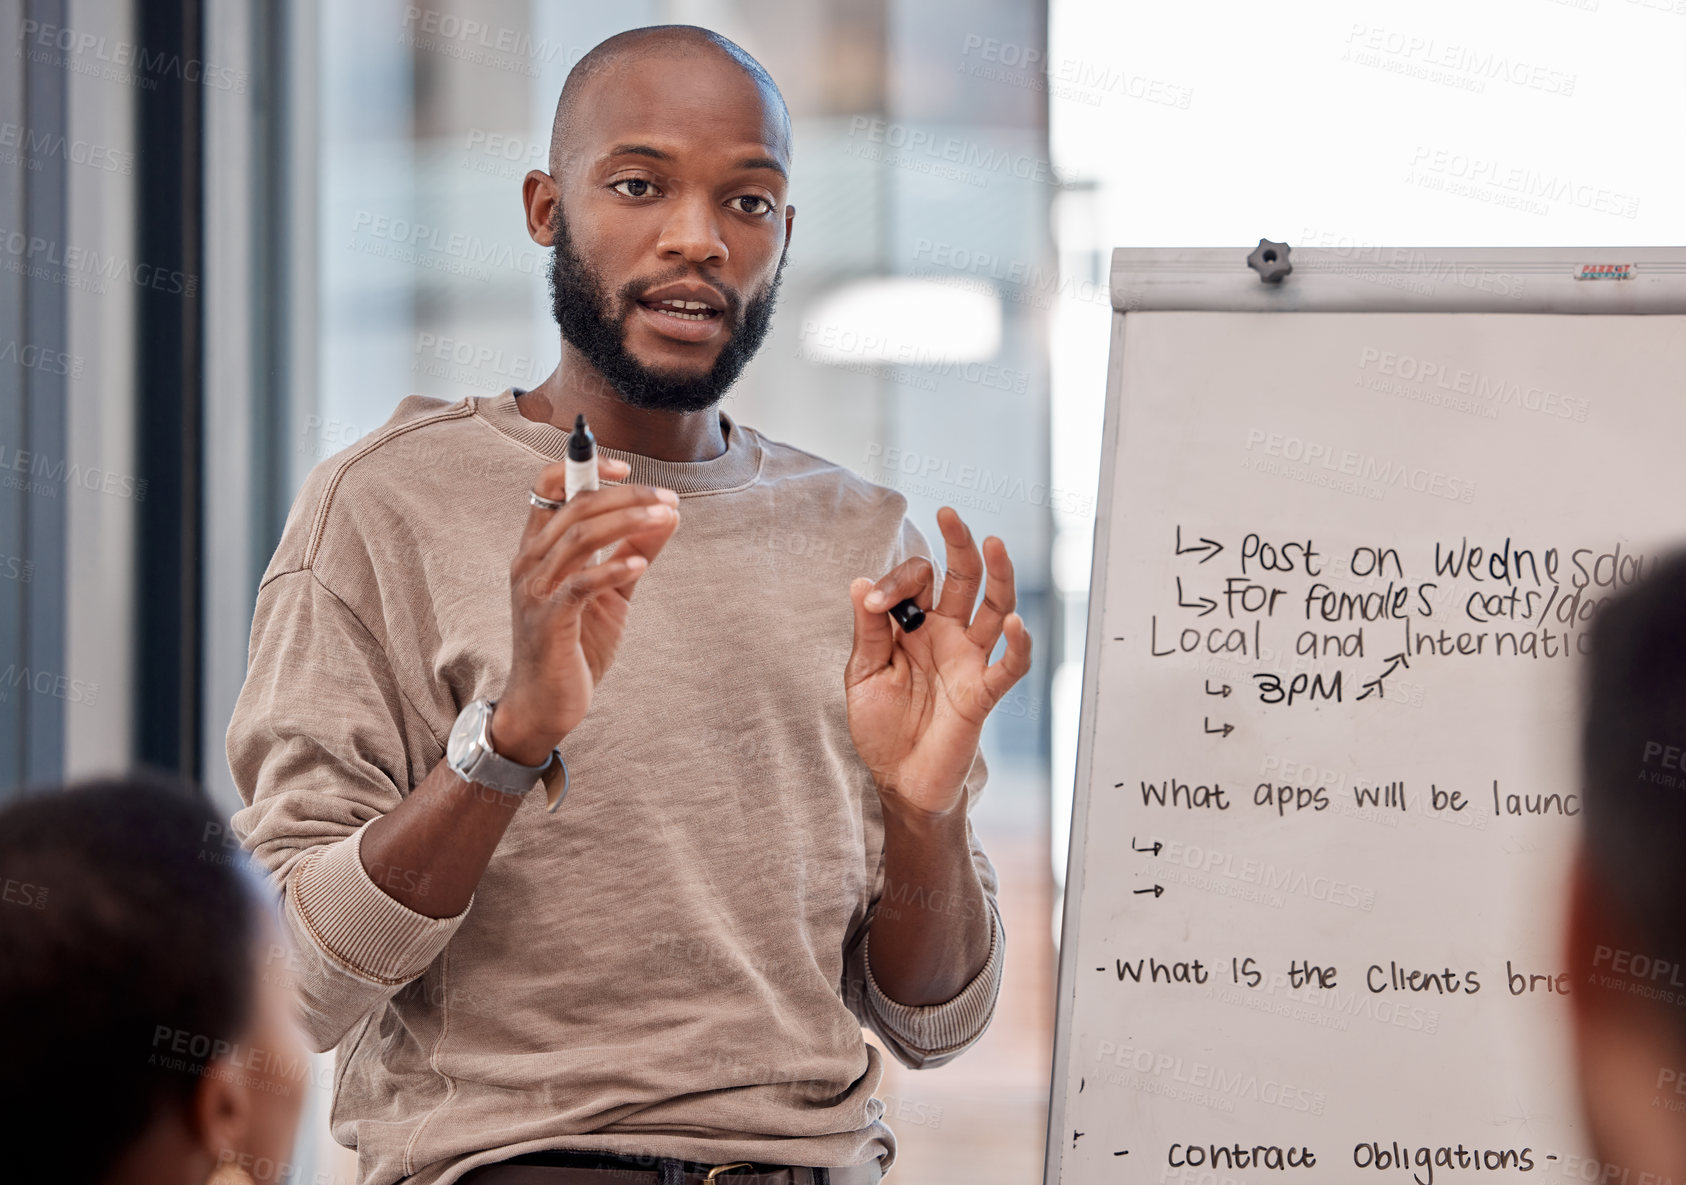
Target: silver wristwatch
[471,755]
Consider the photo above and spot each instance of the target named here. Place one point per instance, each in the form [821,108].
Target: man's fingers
[578,541]
[965,569]
[874,641]
[1000,597]
[552,482]
[1014,662]
[910,578]
[586,506]
[581,586]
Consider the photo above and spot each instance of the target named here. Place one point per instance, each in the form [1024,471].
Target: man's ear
[789,223]
[1628,1052]
[221,1111]
[539,195]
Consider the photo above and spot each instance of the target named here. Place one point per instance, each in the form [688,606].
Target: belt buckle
[722,1168]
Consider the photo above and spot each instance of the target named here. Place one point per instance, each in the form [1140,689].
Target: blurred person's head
[669,165]
[1627,927]
[142,1040]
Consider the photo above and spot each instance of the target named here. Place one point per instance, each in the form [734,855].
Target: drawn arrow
[1226,729]
[1154,849]
[1156,890]
[1206,601]
[1210,546]
[1223,691]
[1394,661]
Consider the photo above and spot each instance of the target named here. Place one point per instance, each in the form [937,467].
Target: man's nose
[692,231]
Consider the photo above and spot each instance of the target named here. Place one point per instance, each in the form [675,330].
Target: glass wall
[72,488]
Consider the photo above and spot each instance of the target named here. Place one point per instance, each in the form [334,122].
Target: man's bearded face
[593,320]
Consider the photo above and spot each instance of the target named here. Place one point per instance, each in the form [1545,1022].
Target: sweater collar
[735,468]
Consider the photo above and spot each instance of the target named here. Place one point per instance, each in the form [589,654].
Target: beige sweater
[675,962]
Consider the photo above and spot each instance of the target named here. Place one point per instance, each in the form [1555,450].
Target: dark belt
[603,1168]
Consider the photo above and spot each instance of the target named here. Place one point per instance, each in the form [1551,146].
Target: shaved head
[624,51]
[665,210]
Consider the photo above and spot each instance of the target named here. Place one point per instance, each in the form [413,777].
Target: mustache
[631,290]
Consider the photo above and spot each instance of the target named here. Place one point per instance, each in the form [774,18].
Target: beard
[584,308]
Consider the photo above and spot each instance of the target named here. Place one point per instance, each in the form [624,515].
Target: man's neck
[661,435]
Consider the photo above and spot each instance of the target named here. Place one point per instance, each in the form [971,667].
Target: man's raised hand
[917,701]
[568,610]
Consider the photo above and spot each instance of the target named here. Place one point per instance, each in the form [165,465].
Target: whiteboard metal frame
[1364,279]
[1357,279]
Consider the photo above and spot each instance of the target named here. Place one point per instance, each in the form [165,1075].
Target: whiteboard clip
[1270,260]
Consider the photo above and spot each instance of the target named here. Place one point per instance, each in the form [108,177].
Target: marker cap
[582,445]
[908,615]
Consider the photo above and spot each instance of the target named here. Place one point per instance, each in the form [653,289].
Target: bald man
[589,887]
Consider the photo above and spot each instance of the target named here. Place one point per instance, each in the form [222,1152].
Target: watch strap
[485,766]
[553,773]
[546,773]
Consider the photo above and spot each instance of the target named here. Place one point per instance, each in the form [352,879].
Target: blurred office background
[235,235]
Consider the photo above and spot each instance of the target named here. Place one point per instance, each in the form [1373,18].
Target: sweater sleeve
[321,743]
[929,1035]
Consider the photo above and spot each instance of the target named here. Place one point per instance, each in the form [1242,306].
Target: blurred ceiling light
[905,321]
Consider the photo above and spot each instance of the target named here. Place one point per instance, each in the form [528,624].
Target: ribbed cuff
[941,1028]
[354,922]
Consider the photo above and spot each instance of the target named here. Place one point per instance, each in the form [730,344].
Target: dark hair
[1633,756]
[126,919]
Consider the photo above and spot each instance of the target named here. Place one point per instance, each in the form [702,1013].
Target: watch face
[464,732]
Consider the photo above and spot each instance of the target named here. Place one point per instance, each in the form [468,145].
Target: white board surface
[1323,950]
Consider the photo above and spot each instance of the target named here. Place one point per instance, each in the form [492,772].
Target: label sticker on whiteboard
[1606,271]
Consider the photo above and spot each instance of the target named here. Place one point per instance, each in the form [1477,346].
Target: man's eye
[750,197]
[632,181]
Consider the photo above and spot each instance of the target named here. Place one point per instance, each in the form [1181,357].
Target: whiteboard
[1344,564]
